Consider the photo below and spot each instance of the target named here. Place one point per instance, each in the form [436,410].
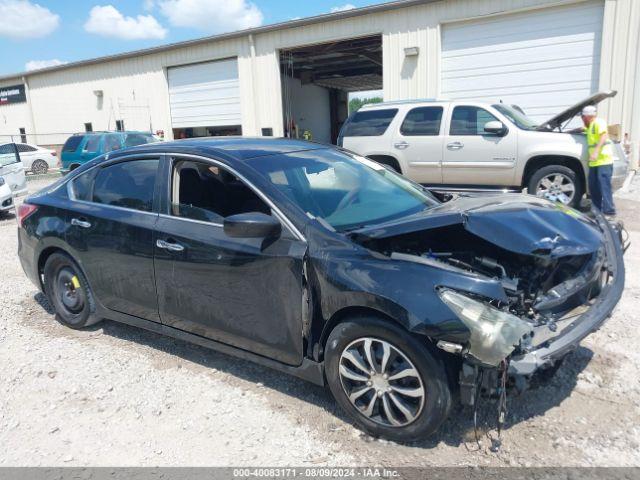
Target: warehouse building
[283,79]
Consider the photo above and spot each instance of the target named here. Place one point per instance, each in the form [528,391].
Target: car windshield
[346,191]
[516,116]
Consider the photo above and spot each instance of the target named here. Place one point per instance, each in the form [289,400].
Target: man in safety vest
[600,161]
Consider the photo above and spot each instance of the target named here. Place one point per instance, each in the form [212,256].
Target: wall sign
[12,94]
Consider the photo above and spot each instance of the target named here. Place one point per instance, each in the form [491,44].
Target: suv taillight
[24,211]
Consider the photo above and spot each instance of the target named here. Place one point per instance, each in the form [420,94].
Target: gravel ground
[116,395]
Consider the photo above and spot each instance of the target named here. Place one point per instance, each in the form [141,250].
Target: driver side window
[468,120]
[209,193]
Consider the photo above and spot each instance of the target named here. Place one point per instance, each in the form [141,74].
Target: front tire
[558,184]
[68,292]
[386,380]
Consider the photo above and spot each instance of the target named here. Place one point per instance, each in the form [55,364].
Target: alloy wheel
[381,382]
[556,187]
[39,167]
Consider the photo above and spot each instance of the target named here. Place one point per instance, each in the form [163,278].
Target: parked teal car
[83,147]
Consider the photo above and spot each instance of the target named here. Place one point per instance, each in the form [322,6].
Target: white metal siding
[542,60]
[205,94]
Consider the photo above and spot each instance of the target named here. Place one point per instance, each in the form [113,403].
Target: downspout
[27,92]
[254,96]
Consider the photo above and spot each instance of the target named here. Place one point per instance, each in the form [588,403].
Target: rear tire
[554,181]
[39,167]
[68,292]
[398,413]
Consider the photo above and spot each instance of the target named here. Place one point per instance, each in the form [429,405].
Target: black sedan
[319,263]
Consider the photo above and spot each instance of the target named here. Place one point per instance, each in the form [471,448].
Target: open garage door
[205,99]
[542,60]
[317,80]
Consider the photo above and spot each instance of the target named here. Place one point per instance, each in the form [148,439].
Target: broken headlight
[494,333]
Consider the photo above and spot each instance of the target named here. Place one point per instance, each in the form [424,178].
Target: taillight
[24,211]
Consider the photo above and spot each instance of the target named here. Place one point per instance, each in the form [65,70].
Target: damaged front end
[561,273]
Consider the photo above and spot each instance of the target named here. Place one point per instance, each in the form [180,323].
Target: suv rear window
[71,145]
[371,123]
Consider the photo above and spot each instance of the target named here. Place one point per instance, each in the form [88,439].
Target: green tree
[356,103]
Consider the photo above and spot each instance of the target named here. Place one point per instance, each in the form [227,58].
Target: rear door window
[127,184]
[112,142]
[369,123]
[422,121]
[72,143]
[23,148]
[8,154]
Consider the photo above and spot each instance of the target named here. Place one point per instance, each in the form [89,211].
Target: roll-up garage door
[542,60]
[205,94]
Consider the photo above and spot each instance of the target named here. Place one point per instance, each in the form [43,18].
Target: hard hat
[589,111]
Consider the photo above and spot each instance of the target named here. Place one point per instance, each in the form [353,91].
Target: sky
[36,34]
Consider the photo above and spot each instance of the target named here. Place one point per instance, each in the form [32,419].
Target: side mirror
[252,225]
[495,128]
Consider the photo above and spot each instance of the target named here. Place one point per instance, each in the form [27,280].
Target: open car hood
[518,223]
[574,110]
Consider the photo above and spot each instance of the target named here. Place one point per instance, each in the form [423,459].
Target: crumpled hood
[519,223]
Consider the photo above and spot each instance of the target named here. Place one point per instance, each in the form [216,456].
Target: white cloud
[212,16]
[148,5]
[23,19]
[343,8]
[109,22]
[38,64]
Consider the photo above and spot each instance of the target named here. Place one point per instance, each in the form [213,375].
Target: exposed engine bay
[539,287]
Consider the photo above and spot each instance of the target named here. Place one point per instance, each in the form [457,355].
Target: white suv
[472,146]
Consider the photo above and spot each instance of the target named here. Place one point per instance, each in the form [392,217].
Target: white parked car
[6,197]
[12,171]
[36,159]
[473,146]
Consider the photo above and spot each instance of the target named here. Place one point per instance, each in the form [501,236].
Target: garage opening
[317,80]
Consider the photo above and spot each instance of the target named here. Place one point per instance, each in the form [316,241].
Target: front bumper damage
[594,315]
[568,331]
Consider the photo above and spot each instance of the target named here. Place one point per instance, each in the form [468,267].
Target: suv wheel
[388,381]
[558,184]
[68,291]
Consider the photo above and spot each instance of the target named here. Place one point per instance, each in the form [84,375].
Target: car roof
[372,106]
[239,148]
[122,132]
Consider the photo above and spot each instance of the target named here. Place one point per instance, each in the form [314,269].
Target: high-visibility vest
[594,132]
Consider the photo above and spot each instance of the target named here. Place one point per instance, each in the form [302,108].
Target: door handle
[401,145]
[455,145]
[80,223]
[171,246]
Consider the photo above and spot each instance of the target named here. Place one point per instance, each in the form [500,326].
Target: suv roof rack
[403,102]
